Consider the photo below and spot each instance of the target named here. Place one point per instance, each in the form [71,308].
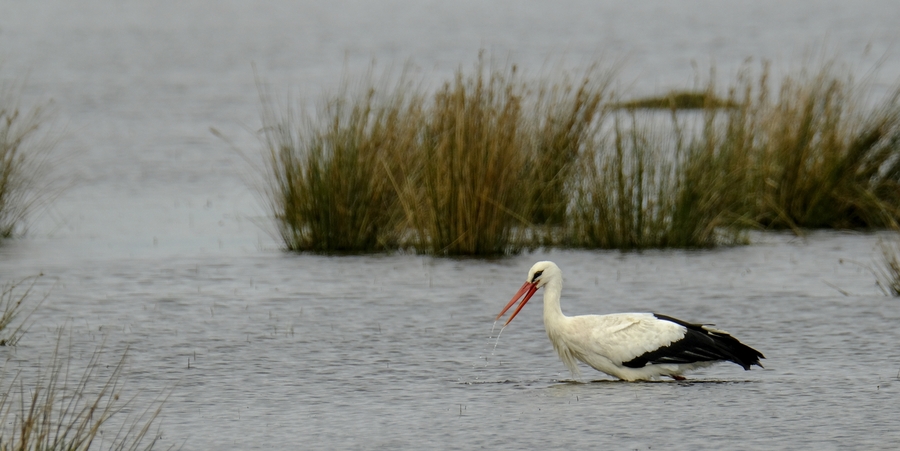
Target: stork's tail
[706,343]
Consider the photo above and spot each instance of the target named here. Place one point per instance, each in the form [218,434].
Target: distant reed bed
[492,162]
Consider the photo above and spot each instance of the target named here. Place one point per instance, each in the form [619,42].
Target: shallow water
[158,245]
[274,350]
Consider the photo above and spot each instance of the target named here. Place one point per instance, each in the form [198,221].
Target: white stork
[629,346]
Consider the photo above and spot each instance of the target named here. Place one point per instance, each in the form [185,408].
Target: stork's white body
[629,346]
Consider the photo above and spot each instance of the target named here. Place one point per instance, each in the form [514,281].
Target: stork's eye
[536,275]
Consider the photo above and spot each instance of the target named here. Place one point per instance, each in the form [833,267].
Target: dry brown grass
[462,187]
[495,168]
[464,171]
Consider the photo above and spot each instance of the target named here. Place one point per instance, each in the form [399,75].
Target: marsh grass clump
[56,411]
[620,202]
[562,125]
[498,159]
[643,188]
[463,188]
[329,189]
[24,162]
[491,163]
[811,156]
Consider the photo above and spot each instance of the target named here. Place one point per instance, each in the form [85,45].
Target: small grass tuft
[12,296]
[25,183]
[887,271]
[51,412]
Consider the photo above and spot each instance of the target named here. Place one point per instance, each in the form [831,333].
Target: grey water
[161,244]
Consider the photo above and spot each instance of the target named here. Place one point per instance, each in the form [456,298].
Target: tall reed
[643,187]
[811,157]
[563,124]
[328,188]
[463,193]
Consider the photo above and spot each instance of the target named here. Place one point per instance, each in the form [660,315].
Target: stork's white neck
[555,323]
[552,311]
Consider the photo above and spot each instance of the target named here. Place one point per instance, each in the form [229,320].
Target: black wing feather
[699,345]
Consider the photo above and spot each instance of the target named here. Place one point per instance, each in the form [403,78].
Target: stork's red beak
[528,290]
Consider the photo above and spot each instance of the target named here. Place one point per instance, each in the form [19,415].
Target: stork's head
[541,272]
[538,276]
